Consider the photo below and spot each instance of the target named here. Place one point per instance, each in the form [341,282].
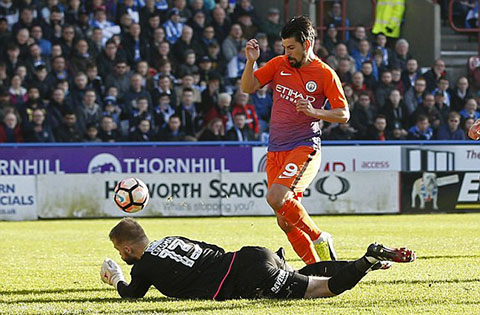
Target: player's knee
[276,196]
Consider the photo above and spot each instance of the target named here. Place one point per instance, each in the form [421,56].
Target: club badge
[311,86]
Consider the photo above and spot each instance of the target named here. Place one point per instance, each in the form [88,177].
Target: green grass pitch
[52,267]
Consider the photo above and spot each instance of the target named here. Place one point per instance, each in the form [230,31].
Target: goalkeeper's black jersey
[178,267]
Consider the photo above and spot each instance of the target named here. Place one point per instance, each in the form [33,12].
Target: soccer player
[183,268]
[301,85]
[474,131]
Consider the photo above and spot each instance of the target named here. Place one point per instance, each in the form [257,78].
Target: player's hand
[305,107]
[252,50]
[111,273]
[474,131]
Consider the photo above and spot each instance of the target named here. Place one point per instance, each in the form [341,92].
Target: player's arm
[474,131]
[335,115]
[249,83]
[136,289]
[333,90]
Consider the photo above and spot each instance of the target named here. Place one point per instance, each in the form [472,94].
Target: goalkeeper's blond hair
[127,231]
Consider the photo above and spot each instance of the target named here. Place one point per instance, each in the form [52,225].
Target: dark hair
[421,118]
[127,230]
[381,116]
[301,28]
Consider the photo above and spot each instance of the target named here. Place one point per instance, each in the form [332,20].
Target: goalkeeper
[183,268]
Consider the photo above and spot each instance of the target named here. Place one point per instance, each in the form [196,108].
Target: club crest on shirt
[311,86]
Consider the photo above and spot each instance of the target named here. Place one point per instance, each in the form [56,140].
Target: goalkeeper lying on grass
[183,268]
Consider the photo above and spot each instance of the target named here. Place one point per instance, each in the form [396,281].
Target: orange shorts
[295,169]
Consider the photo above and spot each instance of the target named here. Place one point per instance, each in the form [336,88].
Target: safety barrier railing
[462,29]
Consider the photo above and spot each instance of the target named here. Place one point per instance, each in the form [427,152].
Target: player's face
[295,52]
[125,252]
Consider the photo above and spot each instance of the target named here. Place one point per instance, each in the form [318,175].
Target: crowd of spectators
[158,70]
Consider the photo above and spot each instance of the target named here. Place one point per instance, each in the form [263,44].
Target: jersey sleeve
[265,74]
[136,289]
[333,90]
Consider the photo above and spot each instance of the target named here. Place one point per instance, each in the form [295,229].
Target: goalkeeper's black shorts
[257,272]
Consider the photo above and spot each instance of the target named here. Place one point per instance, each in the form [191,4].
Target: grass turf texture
[52,267]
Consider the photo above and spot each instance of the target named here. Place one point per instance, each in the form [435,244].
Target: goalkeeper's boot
[382,253]
[382,265]
[324,247]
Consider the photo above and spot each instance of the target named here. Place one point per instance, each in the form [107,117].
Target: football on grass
[131,195]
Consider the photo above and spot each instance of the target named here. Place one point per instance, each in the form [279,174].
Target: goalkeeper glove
[111,273]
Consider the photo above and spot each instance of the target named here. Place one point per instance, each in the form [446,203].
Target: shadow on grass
[23,292]
[420,281]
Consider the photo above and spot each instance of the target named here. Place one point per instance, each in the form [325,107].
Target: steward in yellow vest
[388,17]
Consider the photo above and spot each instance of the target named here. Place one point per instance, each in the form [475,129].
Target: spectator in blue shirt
[421,130]
[451,130]
[470,110]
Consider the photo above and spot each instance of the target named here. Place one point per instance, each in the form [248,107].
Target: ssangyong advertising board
[215,194]
[127,159]
[440,192]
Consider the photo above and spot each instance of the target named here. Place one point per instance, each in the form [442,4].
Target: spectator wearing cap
[234,42]
[272,26]
[205,70]
[451,130]
[184,43]
[331,39]
[197,22]
[112,109]
[460,94]
[183,11]
[221,23]
[173,27]
[398,132]
[135,47]
[100,21]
